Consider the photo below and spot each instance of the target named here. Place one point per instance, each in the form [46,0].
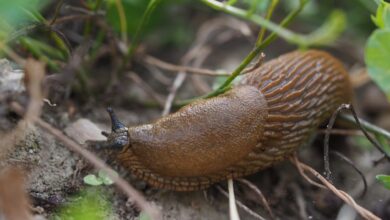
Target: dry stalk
[259,194]
[366,214]
[241,205]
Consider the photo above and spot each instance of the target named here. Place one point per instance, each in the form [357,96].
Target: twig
[258,63]
[219,25]
[56,12]
[232,202]
[78,9]
[363,129]
[300,200]
[70,18]
[241,205]
[327,136]
[380,160]
[258,193]
[303,174]
[197,81]
[339,193]
[347,160]
[98,163]
[34,75]
[179,80]
[177,68]
[141,83]
[198,47]
[159,75]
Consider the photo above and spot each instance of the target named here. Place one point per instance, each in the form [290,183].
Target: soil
[54,175]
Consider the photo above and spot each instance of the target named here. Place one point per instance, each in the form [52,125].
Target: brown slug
[260,121]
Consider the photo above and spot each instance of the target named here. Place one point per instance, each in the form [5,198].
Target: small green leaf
[92,180]
[385,180]
[41,48]
[105,178]
[34,15]
[376,21]
[382,17]
[89,204]
[16,11]
[133,11]
[377,56]
[377,18]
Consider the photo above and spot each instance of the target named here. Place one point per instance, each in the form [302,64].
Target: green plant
[90,204]
[325,34]
[385,180]
[377,52]
[101,179]
[19,20]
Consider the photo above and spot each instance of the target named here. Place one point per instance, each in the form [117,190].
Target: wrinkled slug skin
[261,121]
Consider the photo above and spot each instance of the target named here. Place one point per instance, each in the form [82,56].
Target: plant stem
[226,85]
[122,19]
[233,213]
[88,24]
[145,18]
[231,2]
[367,125]
[270,10]
[252,8]
[255,52]
[323,35]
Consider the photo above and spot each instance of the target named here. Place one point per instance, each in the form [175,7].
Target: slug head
[118,139]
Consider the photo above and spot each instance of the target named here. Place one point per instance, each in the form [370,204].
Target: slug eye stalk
[117,139]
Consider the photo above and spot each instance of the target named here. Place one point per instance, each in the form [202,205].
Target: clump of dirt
[48,165]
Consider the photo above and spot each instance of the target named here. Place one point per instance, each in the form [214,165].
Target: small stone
[83,130]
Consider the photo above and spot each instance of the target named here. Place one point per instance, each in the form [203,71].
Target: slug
[262,120]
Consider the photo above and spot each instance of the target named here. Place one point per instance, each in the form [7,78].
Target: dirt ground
[54,175]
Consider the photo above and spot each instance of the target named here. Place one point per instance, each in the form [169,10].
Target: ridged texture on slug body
[261,121]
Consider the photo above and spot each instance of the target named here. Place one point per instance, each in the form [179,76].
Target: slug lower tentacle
[260,121]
